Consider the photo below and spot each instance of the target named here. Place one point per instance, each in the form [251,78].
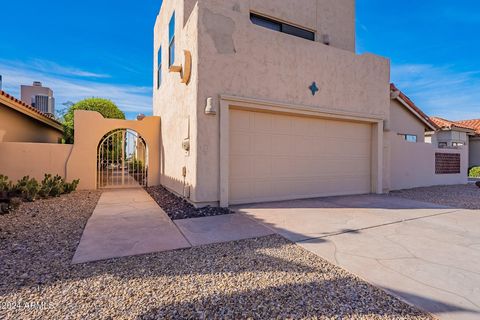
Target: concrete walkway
[128,222]
[425,254]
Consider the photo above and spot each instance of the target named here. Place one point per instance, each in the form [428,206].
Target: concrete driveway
[425,254]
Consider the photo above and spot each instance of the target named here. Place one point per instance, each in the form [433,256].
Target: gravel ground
[177,208]
[457,196]
[265,278]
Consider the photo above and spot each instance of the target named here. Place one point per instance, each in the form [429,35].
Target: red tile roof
[412,105]
[447,124]
[474,123]
[22,104]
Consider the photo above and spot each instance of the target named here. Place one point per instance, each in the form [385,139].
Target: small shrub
[52,186]
[474,172]
[5,184]
[27,188]
[70,187]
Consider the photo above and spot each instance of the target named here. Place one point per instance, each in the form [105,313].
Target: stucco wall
[241,59]
[33,159]
[403,121]
[91,127]
[413,165]
[174,101]
[18,127]
[474,149]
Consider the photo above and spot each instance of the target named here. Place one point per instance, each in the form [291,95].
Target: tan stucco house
[278,105]
[266,100]
[20,122]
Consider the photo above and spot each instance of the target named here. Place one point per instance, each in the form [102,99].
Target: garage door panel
[240,143]
[284,157]
[241,167]
[262,122]
[262,144]
[242,121]
[262,167]
[281,126]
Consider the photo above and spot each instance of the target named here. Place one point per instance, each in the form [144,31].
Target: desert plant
[5,184]
[27,188]
[70,187]
[474,172]
[52,186]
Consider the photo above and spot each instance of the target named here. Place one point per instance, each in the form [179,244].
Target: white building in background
[39,97]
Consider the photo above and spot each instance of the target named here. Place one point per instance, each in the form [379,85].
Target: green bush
[474,172]
[105,107]
[70,187]
[27,188]
[5,184]
[51,186]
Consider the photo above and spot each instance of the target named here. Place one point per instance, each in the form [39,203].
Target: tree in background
[105,107]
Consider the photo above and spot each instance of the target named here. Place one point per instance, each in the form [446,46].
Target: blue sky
[104,48]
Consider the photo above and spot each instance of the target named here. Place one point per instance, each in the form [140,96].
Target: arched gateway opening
[122,160]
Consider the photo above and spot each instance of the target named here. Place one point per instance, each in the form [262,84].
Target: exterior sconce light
[185,69]
[209,108]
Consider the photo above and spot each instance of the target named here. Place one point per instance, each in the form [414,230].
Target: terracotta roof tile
[447,124]
[23,104]
[473,123]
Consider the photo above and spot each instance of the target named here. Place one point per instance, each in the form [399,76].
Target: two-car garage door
[279,157]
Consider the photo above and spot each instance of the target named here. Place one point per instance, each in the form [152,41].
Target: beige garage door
[280,157]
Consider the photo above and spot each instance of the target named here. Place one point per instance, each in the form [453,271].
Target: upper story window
[171,41]
[409,137]
[282,27]
[159,67]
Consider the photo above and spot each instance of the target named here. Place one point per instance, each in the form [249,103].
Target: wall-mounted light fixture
[210,108]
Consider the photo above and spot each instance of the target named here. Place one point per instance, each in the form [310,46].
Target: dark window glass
[294,31]
[159,68]
[266,23]
[171,41]
[282,27]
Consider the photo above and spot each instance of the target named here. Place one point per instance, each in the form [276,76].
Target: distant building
[39,97]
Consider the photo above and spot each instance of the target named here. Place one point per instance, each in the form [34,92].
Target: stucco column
[224,152]
[377,158]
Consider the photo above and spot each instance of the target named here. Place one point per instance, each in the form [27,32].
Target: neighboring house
[412,161]
[450,134]
[474,141]
[278,105]
[407,120]
[20,122]
[39,97]
[459,133]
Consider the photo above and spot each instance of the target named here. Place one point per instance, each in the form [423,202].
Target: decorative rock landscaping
[456,196]
[178,208]
[259,278]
